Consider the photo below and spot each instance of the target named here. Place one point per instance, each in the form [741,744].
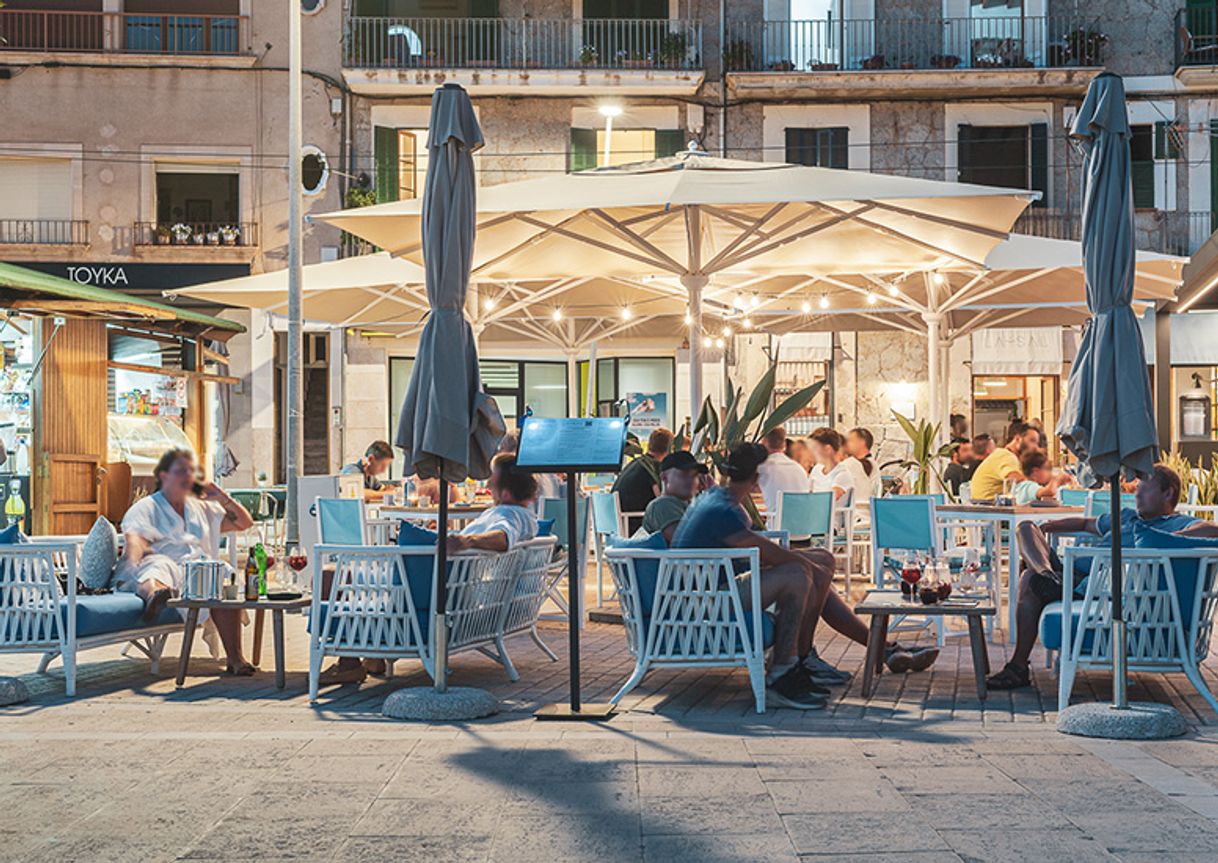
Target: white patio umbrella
[694,217]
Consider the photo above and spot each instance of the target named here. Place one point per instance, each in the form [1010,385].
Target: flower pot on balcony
[822,67]
[199,239]
[213,238]
[944,61]
[875,61]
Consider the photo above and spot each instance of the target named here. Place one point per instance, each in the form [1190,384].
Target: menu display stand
[572,446]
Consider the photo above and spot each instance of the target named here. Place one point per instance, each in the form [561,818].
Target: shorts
[1047,586]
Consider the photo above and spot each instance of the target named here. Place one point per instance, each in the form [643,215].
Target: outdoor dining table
[277,608]
[884,604]
[1012,517]
[456,512]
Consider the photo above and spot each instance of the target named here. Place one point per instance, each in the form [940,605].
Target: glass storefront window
[545,388]
[618,378]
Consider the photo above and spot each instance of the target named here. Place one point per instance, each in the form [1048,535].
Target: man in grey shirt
[375,462]
[679,472]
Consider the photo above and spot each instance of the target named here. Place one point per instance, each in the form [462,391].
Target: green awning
[31,292]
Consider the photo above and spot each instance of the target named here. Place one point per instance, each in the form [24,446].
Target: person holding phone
[182,520]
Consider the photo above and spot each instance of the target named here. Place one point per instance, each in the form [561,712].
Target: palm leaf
[731,421]
[759,399]
[790,406]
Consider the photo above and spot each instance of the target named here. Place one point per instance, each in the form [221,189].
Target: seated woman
[181,521]
[1039,482]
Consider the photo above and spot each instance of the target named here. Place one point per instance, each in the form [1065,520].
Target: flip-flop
[246,670]
[1011,677]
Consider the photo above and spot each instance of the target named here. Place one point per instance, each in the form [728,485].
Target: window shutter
[385,143]
[1038,161]
[669,142]
[1142,166]
[583,150]
[1165,142]
[838,147]
[965,158]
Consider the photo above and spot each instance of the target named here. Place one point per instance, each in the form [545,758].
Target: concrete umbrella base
[1142,721]
[424,704]
[12,691]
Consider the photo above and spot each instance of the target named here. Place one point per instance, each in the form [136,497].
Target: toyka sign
[139,279]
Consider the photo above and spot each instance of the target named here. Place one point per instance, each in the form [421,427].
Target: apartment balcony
[1197,46]
[44,232]
[123,37]
[915,58]
[222,242]
[1168,232]
[515,56]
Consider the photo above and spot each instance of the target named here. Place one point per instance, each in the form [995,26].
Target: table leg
[188,637]
[981,659]
[259,625]
[1012,575]
[277,632]
[883,641]
[875,652]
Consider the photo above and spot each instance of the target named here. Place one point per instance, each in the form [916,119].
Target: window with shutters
[36,204]
[1012,157]
[625,146]
[401,163]
[1152,147]
[826,147]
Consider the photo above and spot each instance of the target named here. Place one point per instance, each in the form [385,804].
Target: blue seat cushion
[420,569]
[1051,626]
[12,535]
[101,614]
[646,569]
[545,527]
[1184,571]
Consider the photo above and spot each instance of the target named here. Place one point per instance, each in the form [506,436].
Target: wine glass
[969,568]
[911,574]
[297,560]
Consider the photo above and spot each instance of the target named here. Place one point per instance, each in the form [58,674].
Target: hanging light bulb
[871,298]
[937,279]
[892,290]
[806,307]
[738,302]
[719,343]
[748,323]
[707,342]
[488,303]
[727,331]
[824,301]
[556,314]
[627,314]
[754,302]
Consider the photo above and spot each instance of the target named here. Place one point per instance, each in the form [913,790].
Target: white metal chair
[533,582]
[683,609]
[555,509]
[1170,597]
[38,615]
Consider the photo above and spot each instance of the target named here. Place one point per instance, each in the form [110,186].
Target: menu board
[571,444]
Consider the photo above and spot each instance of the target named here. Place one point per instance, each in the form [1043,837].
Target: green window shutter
[837,141]
[1142,165]
[1038,161]
[385,144]
[669,142]
[1165,143]
[583,150]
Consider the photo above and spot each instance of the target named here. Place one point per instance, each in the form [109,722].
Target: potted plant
[714,435]
[944,61]
[1086,47]
[875,61]
[262,479]
[738,56]
[229,234]
[198,238]
[589,56]
[181,234]
[213,238]
[817,66]
[925,460]
[781,66]
[673,50]
[161,234]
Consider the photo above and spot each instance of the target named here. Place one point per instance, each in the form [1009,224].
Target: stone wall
[1141,33]
[907,138]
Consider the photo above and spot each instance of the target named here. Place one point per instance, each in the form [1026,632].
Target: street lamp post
[294,450]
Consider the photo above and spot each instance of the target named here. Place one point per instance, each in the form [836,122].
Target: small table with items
[883,604]
[260,607]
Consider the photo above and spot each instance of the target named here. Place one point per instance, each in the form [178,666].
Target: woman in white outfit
[181,521]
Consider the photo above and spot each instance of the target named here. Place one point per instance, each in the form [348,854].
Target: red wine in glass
[298,561]
[911,574]
[945,590]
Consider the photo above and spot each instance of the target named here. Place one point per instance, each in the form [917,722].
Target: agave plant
[926,459]
[1204,481]
[714,435]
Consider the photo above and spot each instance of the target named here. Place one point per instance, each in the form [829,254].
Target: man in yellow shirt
[1003,463]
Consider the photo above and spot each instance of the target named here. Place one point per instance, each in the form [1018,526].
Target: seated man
[679,473]
[375,462]
[962,458]
[511,520]
[779,472]
[799,583]
[1041,581]
[1003,463]
[638,483]
[182,520]
[1040,482]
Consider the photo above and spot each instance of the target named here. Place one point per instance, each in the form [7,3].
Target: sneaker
[824,673]
[901,660]
[795,689]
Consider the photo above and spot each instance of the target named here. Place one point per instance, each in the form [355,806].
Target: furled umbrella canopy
[448,426]
[1108,418]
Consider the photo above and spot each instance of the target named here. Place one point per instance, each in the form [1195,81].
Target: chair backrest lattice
[534,578]
[31,599]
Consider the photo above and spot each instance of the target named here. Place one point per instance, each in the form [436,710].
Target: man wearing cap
[679,473]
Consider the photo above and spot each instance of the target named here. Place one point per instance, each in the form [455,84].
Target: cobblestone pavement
[137,769]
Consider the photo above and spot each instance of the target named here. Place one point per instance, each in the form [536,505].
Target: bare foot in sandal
[245,669]
[155,604]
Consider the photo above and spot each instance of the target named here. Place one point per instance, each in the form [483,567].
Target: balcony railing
[521,43]
[121,33]
[990,42]
[1169,232]
[57,232]
[196,234]
[1197,37]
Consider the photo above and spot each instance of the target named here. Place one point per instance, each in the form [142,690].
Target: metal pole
[294,449]
[694,285]
[933,367]
[441,620]
[574,604]
[608,148]
[590,398]
[1120,697]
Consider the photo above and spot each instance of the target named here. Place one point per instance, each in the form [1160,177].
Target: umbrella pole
[574,583]
[441,615]
[1120,696]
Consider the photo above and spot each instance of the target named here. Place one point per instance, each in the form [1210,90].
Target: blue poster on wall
[648,411]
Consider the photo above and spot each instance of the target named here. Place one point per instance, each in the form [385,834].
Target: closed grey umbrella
[1108,419]
[449,428]
[445,418]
